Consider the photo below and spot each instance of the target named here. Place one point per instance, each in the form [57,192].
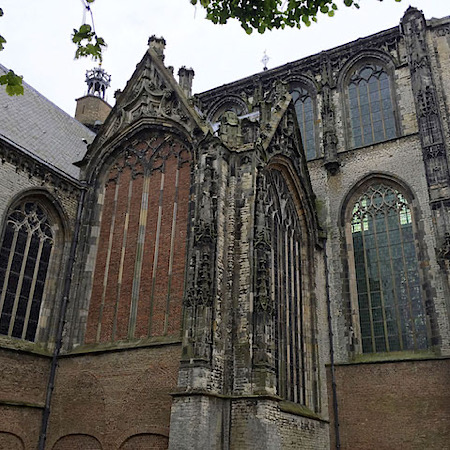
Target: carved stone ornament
[149,155]
[331,161]
[263,300]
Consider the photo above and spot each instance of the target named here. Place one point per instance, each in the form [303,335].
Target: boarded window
[139,272]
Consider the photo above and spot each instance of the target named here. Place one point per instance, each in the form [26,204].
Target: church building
[265,265]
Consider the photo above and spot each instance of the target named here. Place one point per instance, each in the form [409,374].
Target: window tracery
[386,277]
[293,333]
[371,106]
[25,255]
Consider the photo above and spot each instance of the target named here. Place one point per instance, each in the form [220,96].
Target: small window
[371,107]
[304,108]
[24,258]
[386,272]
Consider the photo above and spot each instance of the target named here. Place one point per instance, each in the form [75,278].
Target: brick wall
[139,273]
[119,398]
[23,383]
[403,405]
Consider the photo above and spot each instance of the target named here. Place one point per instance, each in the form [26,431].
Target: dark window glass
[391,310]
[304,108]
[25,254]
[371,107]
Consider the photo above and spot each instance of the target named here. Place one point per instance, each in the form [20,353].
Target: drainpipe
[330,336]
[61,322]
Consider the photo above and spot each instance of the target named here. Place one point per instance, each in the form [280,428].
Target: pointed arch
[285,310]
[369,99]
[304,97]
[386,283]
[32,246]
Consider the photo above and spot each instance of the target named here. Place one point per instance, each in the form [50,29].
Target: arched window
[25,254]
[304,108]
[289,292]
[384,271]
[370,105]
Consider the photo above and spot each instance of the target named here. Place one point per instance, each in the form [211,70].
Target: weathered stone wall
[262,424]
[398,404]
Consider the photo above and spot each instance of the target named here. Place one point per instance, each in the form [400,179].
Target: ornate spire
[98,81]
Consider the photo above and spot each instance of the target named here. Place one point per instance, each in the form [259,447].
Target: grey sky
[39,46]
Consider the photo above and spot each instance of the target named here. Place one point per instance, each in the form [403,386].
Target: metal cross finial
[265,60]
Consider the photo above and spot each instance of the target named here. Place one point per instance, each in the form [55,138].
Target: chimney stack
[157,44]
[185,77]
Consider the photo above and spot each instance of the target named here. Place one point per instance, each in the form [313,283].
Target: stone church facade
[263,265]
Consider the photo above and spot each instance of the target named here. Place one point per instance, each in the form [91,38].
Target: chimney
[185,77]
[157,44]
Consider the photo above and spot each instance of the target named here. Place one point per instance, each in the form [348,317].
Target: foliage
[265,15]
[86,39]
[13,83]
[258,15]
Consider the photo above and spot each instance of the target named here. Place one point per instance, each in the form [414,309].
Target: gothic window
[25,254]
[386,277]
[370,106]
[304,108]
[294,353]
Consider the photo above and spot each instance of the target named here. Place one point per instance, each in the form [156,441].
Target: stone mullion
[172,245]
[33,287]
[155,255]
[19,284]
[108,259]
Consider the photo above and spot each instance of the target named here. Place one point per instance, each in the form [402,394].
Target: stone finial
[185,77]
[157,44]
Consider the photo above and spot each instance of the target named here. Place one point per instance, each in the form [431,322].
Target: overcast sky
[39,46]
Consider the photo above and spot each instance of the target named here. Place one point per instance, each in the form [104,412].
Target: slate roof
[37,126]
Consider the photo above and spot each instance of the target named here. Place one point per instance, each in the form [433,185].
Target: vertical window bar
[394,287]
[19,284]
[8,267]
[33,287]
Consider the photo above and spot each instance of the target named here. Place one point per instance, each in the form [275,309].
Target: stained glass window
[371,107]
[304,108]
[391,308]
[24,257]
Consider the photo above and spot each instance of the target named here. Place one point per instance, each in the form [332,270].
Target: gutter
[332,365]
[61,322]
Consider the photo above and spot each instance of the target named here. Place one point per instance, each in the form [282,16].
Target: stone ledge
[122,345]
[21,404]
[394,357]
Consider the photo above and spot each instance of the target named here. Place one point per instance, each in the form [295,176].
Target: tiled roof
[40,127]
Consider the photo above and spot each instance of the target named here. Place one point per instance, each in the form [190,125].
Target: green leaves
[262,15]
[12,82]
[88,43]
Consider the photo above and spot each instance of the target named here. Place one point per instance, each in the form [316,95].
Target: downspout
[61,322]
[330,336]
